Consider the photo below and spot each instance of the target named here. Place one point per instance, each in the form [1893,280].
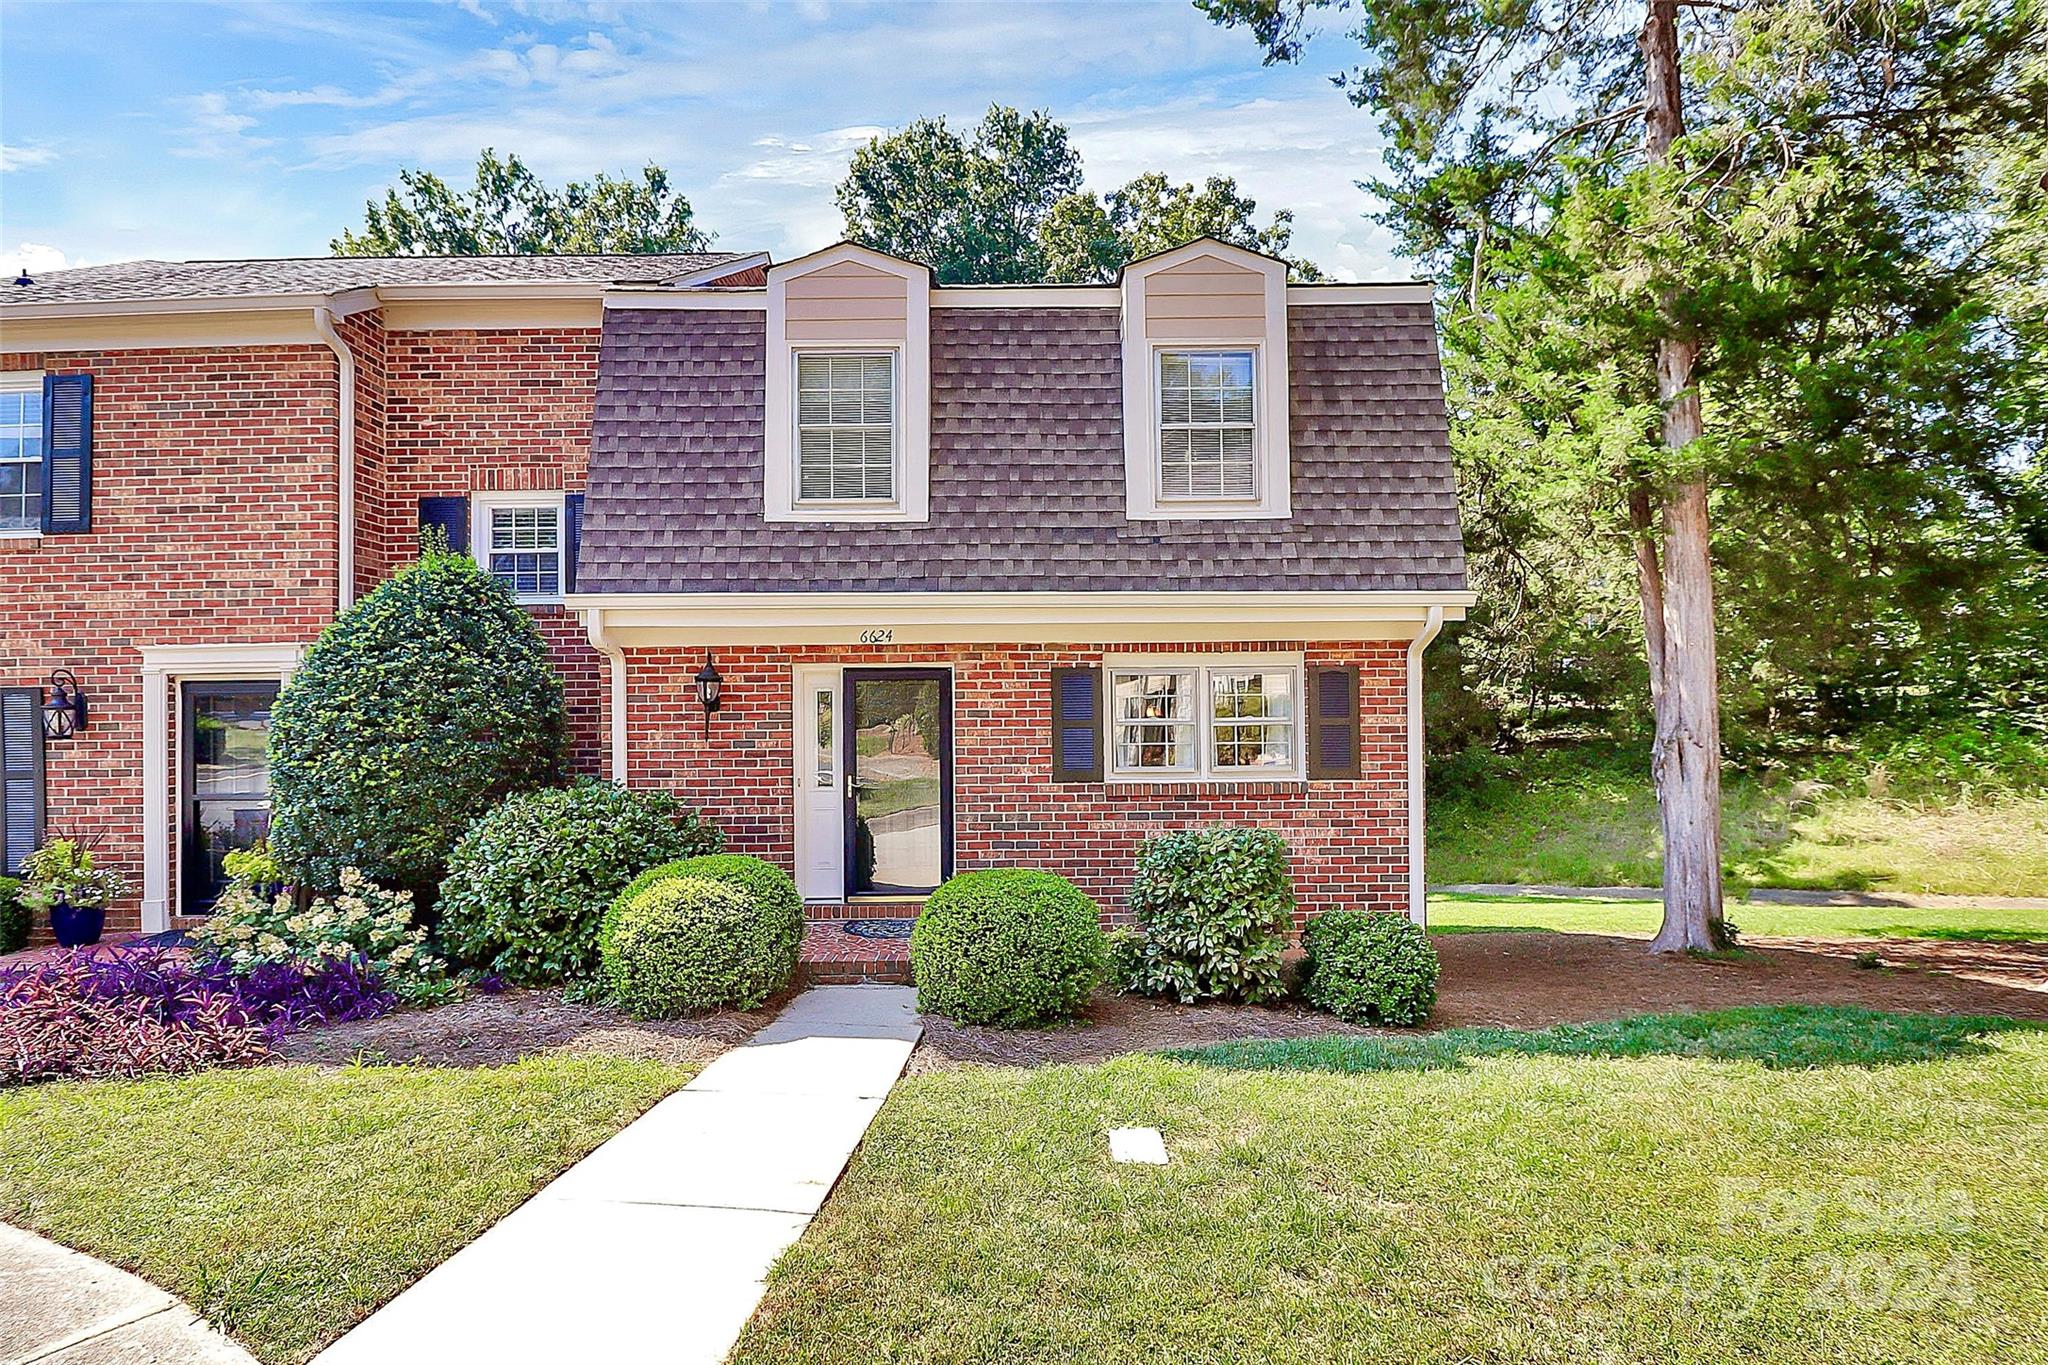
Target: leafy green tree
[967,206]
[1005,206]
[415,711]
[510,211]
[1672,239]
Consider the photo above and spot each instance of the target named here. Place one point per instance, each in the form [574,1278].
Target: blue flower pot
[76,926]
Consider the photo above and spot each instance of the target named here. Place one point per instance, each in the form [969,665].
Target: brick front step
[833,957]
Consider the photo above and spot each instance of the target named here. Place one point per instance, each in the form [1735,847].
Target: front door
[224,783]
[897,752]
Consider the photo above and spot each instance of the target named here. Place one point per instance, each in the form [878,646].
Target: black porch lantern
[709,689]
[64,713]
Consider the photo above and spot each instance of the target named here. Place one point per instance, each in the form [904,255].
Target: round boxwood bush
[529,883]
[1006,946]
[1369,967]
[416,711]
[685,945]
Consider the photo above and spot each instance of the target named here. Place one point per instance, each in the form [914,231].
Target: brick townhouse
[893,579]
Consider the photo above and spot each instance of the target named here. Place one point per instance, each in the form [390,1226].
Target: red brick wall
[1348,839]
[215,519]
[470,411]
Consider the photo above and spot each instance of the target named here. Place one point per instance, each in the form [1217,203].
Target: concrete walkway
[653,1247]
[62,1307]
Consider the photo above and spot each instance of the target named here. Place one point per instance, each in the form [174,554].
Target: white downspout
[323,323]
[593,624]
[1417,890]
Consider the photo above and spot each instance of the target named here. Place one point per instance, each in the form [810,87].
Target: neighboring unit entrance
[224,781]
[896,749]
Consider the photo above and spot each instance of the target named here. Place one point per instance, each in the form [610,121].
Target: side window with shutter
[21,774]
[67,454]
[1077,725]
[1333,736]
[452,516]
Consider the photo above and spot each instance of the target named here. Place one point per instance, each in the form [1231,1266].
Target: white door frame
[161,666]
[819,811]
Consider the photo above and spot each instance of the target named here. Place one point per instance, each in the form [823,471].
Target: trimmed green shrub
[1213,910]
[1369,967]
[415,712]
[529,883]
[14,917]
[685,945]
[1007,946]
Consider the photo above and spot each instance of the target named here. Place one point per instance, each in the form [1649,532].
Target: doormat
[879,928]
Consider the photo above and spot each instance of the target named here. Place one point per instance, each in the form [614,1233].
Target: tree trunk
[1685,692]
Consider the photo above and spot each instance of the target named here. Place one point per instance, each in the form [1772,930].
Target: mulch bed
[1533,980]
[493,1030]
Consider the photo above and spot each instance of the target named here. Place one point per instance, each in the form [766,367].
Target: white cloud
[215,130]
[23,156]
[37,259]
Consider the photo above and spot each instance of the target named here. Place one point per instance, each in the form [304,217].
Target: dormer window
[848,389]
[1205,358]
[846,427]
[1208,432]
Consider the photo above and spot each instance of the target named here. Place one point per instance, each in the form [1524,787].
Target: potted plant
[60,877]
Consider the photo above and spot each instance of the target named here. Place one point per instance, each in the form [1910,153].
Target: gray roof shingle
[148,280]
[1027,472]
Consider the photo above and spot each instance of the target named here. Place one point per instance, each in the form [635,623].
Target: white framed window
[847,393]
[1205,360]
[1208,425]
[521,540]
[21,453]
[1220,719]
[845,427]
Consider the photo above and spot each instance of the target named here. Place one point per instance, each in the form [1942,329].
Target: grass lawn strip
[1871,1190]
[1453,914]
[285,1203]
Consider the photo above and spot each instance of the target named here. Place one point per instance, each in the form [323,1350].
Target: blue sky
[242,129]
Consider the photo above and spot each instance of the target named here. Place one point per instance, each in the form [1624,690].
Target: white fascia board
[1407,291]
[645,619]
[123,308]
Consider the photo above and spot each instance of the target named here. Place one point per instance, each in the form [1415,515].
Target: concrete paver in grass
[654,1247]
[62,1307]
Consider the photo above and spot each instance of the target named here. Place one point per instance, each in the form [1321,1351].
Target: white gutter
[1417,897]
[593,624]
[323,323]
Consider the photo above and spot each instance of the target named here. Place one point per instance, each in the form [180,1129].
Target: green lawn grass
[1456,914]
[1587,816]
[285,1203]
[1681,1202]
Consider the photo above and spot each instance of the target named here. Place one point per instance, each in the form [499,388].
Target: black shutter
[572,537]
[21,774]
[452,516]
[67,454]
[1332,723]
[1077,725]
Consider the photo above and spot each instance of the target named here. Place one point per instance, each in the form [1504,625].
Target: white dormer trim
[1266,339]
[912,347]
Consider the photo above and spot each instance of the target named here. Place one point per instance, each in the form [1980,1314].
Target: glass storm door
[897,751]
[224,787]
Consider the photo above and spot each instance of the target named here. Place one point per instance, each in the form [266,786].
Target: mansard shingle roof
[1027,466]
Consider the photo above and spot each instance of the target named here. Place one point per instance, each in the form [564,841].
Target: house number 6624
[879,635]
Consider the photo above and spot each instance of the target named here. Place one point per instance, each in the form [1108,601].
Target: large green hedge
[1213,910]
[529,883]
[416,710]
[1006,946]
[688,944]
[14,917]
